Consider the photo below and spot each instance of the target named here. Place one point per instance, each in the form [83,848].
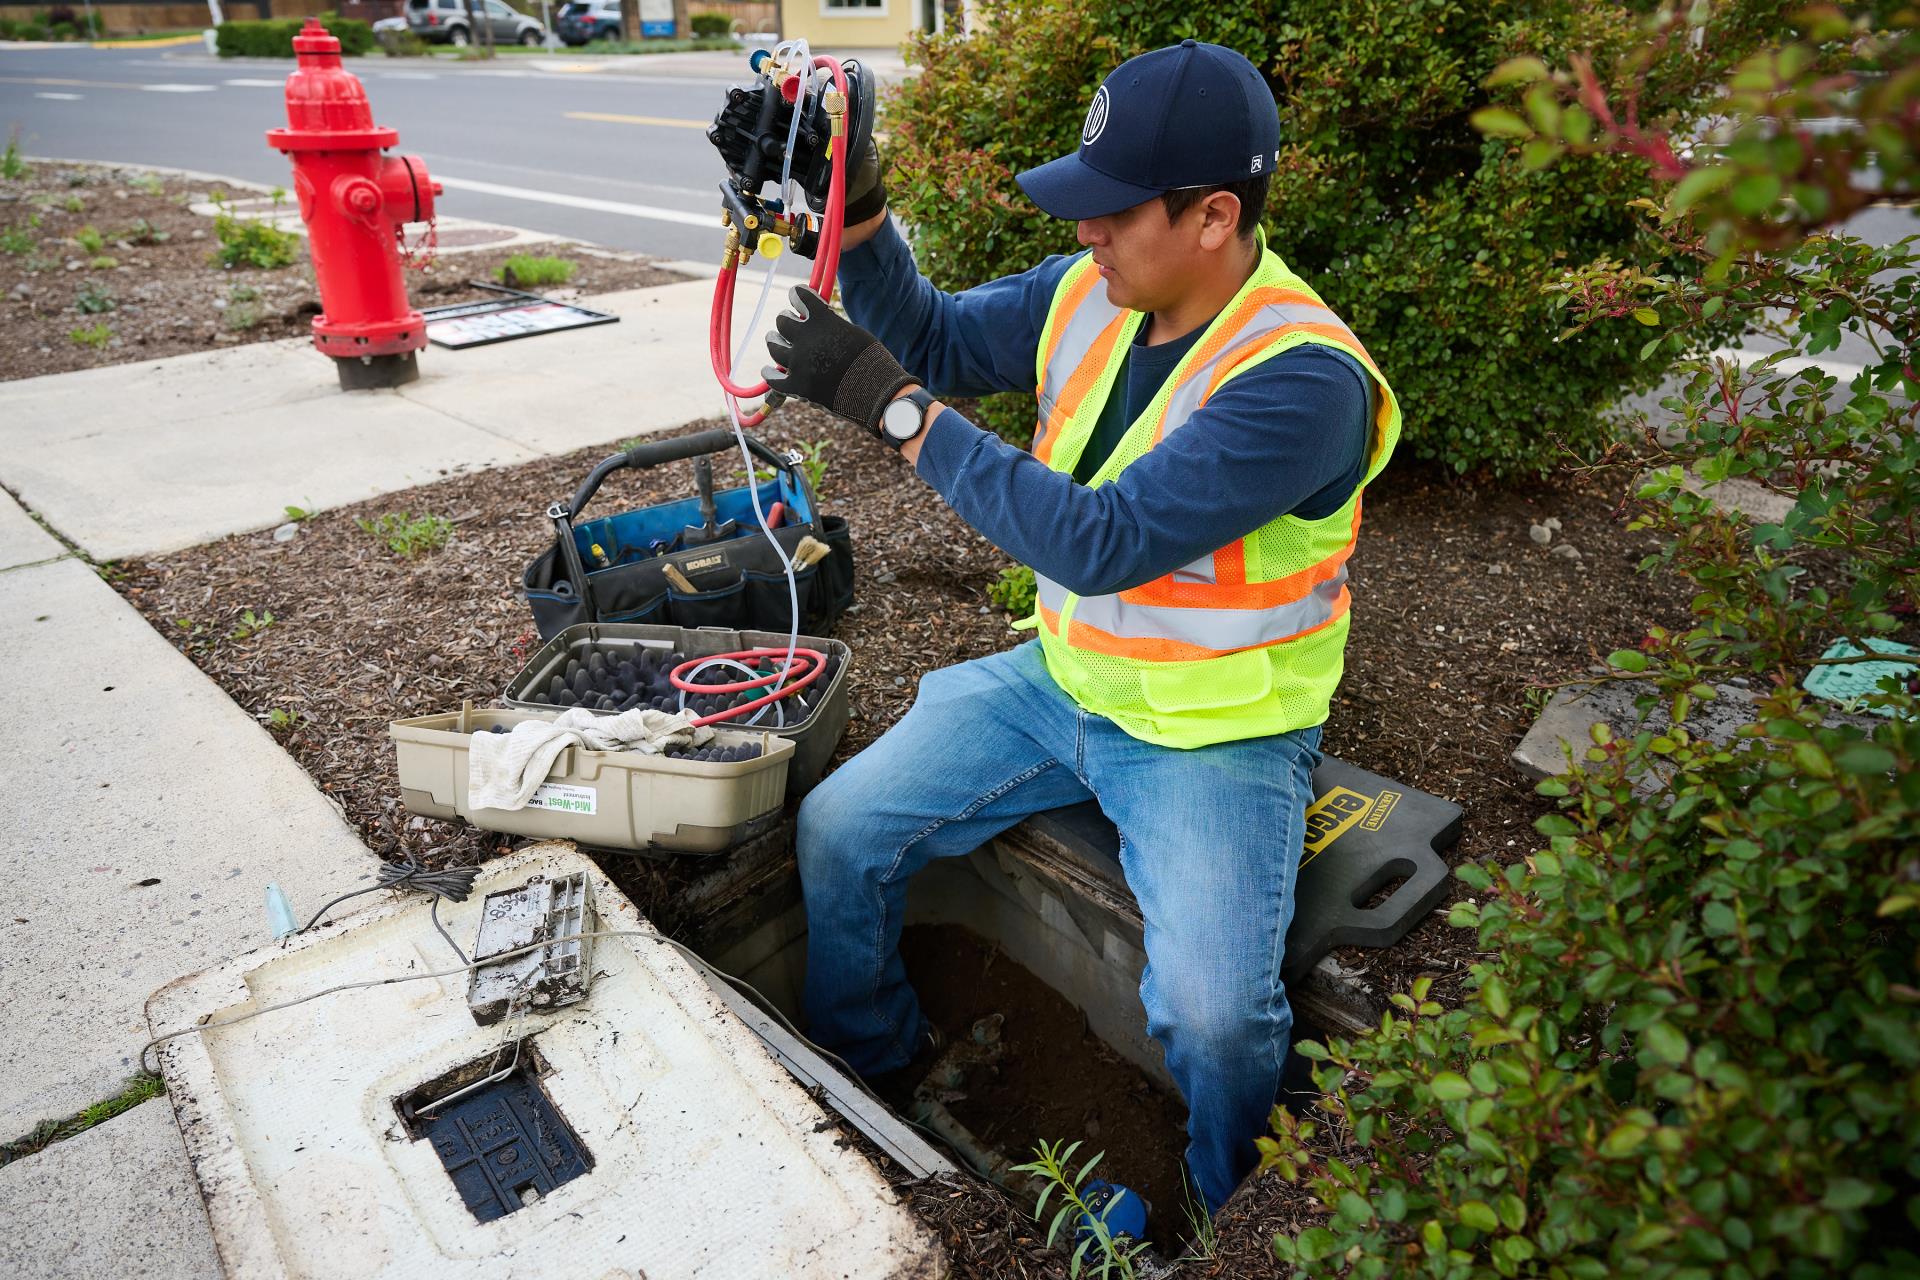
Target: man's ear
[1219,219]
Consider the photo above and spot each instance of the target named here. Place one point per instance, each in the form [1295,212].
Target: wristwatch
[906,417]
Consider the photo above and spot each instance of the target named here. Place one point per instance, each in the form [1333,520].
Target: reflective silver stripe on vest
[1078,333]
[1049,593]
[1214,628]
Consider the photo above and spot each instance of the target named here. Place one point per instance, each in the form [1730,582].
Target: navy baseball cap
[1189,115]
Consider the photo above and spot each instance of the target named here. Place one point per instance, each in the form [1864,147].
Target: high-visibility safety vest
[1250,640]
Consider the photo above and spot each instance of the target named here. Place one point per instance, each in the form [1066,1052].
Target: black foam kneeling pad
[1363,832]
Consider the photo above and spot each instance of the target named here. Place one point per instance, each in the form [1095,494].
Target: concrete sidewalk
[148,811]
[149,457]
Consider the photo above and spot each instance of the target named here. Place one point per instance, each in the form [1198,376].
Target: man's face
[1146,261]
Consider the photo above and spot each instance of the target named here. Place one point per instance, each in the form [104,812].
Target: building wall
[810,20]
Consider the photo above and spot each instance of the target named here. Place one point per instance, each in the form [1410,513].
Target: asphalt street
[607,149]
[611,150]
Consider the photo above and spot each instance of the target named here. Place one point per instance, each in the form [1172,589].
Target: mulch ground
[157,289]
[1460,620]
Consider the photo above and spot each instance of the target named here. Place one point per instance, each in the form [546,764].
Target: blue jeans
[1209,840]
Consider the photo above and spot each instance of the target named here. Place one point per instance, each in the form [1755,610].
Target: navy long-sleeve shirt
[1286,436]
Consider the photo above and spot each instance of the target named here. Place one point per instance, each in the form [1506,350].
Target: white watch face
[901,420]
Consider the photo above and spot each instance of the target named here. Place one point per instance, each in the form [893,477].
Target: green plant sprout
[407,536]
[250,625]
[1116,1255]
[252,242]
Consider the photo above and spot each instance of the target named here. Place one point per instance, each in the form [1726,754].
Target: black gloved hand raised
[866,188]
[830,361]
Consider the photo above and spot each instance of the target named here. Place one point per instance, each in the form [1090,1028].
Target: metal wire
[452,883]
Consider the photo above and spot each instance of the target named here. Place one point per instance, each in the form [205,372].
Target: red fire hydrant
[355,202]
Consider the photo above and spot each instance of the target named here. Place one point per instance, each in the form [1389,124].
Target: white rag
[505,769]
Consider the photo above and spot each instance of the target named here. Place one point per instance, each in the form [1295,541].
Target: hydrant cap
[314,38]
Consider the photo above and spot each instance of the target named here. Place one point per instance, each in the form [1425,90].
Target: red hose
[817,664]
[826,265]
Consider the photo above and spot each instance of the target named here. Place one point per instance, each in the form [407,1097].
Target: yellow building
[863,24]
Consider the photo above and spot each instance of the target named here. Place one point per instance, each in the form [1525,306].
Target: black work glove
[866,188]
[830,361]
[866,195]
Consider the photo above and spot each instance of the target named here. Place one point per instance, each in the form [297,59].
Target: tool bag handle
[654,453]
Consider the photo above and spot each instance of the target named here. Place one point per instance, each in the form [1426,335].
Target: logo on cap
[1096,118]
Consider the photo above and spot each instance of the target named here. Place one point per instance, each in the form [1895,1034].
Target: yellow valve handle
[771,244]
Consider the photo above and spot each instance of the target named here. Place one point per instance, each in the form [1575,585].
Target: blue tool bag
[724,570]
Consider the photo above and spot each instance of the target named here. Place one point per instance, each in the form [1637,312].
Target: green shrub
[527,271]
[95,337]
[709,24]
[1691,1049]
[1428,239]
[273,38]
[252,242]
[1014,590]
[403,44]
[90,240]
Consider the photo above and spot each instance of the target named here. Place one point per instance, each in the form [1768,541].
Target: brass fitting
[733,250]
[726,217]
[753,223]
[836,105]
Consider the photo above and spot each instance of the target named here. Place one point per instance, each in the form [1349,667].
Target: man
[1205,427]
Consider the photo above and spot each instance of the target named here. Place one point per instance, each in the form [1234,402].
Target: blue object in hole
[1127,1215]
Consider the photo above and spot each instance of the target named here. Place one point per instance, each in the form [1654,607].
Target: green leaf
[1516,71]
[1493,994]
[1646,315]
[1539,153]
[1315,1244]
[1865,757]
[1625,1140]
[1847,1193]
[1498,122]
[1627,660]
[1450,1086]
[1755,193]
[1719,919]
[1697,185]
[1479,1215]
[1812,759]
[1664,1042]
[1513,1212]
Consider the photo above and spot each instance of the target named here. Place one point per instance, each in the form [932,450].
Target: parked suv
[582,20]
[445,21]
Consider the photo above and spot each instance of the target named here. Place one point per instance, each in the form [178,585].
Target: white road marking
[60,97]
[657,214]
[664,122]
[179,88]
[256,84]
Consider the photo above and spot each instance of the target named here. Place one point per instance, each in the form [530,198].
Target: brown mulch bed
[168,296]
[1443,671]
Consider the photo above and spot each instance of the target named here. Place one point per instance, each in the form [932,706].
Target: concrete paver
[22,541]
[145,814]
[196,447]
[117,1200]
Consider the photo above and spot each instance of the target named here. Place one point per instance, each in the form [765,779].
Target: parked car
[582,20]
[446,22]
